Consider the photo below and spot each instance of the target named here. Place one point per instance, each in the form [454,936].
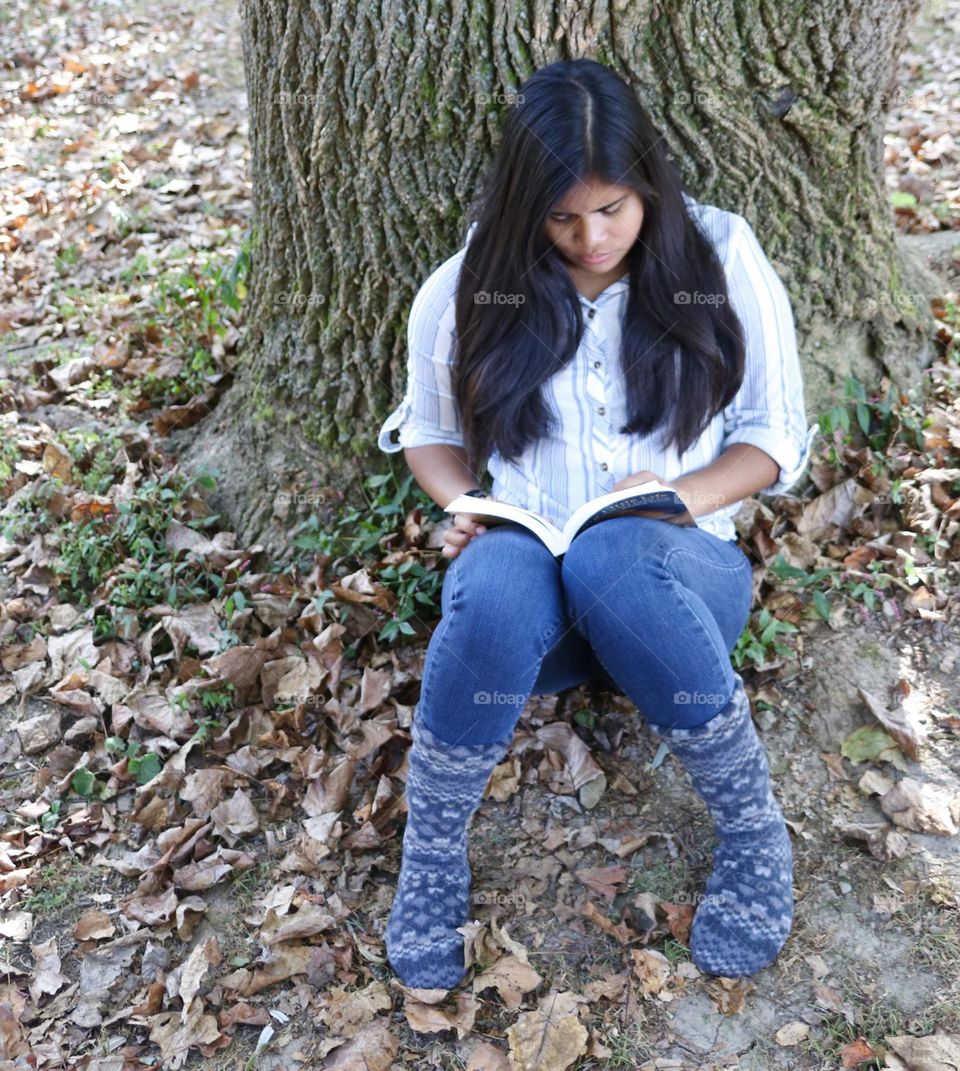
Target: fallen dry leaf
[47,977]
[729,993]
[346,1013]
[652,969]
[856,1053]
[94,924]
[602,880]
[901,724]
[511,978]
[235,817]
[792,1033]
[431,1018]
[549,1038]
[922,807]
[935,1052]
[373,1049]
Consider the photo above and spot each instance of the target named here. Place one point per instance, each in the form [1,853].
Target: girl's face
[594,226]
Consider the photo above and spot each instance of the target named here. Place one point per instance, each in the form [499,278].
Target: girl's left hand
[639,477]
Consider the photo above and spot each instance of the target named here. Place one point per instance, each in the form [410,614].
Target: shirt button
[597,364]
[601,410]
[592,313]
[604,466]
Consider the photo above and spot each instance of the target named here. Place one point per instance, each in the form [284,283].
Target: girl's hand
[645,476]
[465,527]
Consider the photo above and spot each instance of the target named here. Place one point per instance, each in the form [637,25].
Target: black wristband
[477,492]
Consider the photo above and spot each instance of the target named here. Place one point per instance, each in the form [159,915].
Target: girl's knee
[613,549]
[505,583]
[505,550]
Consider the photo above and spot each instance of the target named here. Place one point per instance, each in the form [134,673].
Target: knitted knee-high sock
[743,920]
[444,788]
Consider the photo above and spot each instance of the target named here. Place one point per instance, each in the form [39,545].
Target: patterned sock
[743,920]
[445,785]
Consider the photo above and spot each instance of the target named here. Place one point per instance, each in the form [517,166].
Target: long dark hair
[573,120]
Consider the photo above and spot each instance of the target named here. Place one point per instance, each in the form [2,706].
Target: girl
[599,328]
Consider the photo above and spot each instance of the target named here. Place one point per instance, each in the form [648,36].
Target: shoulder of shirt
[725,230]
[438,291]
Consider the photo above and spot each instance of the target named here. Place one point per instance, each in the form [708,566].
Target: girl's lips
[595,260]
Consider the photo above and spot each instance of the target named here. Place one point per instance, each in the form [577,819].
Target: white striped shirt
[587,454]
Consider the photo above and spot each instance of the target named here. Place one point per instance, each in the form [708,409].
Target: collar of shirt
[611,293]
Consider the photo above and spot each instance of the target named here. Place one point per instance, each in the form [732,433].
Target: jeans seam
[681,596]
[453,598]
[744,561]
[701,560]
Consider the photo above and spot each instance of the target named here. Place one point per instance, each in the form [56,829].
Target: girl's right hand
[465,527]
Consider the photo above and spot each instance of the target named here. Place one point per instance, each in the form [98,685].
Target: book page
[588,509]
[546,532]
[651,499]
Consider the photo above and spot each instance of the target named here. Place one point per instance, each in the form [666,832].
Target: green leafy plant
[204,728]
[192,305]
[136,534]
[83,782]
[875,417]
[50,818]
[143,766]
[358,533]
[760,641]
[355,535]
[219,699]
[821,584]
[53,887]
[416,588]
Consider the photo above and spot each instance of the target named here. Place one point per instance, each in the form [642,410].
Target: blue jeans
[655,606]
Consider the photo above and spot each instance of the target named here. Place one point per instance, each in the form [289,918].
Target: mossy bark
[369,139]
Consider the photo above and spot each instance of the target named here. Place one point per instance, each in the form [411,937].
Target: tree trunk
[369,140]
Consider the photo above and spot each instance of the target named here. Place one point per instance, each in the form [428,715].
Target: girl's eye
[606,211]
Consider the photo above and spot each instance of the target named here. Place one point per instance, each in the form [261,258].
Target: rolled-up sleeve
[768,411]
[428,413]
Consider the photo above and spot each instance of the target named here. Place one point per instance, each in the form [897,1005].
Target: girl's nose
[591,236]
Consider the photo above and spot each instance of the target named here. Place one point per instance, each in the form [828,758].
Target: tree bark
[369,140]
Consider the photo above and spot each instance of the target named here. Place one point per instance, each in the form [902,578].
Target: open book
[650,499]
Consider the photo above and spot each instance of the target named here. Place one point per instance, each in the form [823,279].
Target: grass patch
[54,886]
[872,1021]
[628,1048]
